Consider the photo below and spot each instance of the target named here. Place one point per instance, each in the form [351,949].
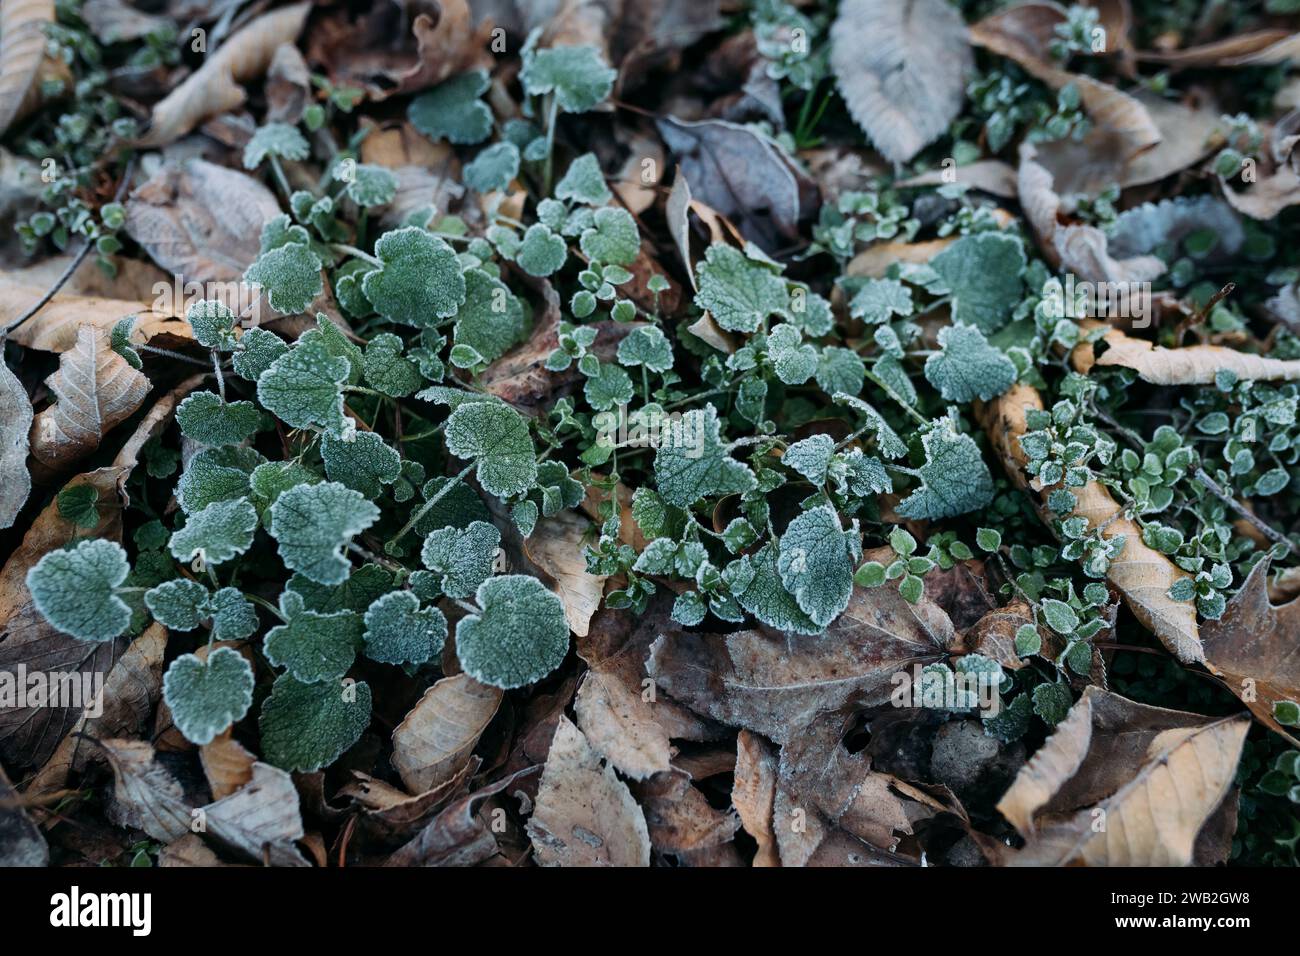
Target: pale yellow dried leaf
[556,546]
[1189,365]
[55,327]
[753,794]
[435,740]
[22,49]
[226,764]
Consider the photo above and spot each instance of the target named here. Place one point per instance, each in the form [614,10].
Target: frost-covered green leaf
[891,446]
[79,505]
[180,605]
[612,238]
[275,139]
[756,584]
[233,617]
[387,370]
[494,168]
[542,252]
[1052,702]
[815,564]
[793,360]
[955,479]
[420,280]
[208,420]
[460,559]
[313,523]
[399,631]
[880,300]
[609,388]
[457,508]
[219,532]
[491,321]
[119,341]
[739,292]
[270,480]
[646,346]
[213,324]
[312,646]
[304,387]
[216,474]
[496,438]
[578,76]
[258,348]
[966,367]
[308,726]
[692,463]
[519,636]
[371,185]
[206,697]
[453,111]
[811,457]
[290,275]
[983,271]
[366,463]
[584,182]
[74,590]
[362,588]
[840,370]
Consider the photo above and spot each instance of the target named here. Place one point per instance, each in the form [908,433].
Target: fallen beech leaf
[261,820]
[679,818]
[190,850]
[878,257]
[1156,776]
[21,842]
[1140,573]
[115,21]
[1262,48]
[1023,32]
[987,175]
[753,794]
[434,741]
[457,836]
[22,48]
[1254,647]
[392,816]
[226,764]
[1191,364]
[15,481]
[213,88]
[556,546]
[994,634]
[1268,196]
[776,684]
[901,68]
[520,377]
[55,327]
[94,388]
[585,815]
[147,795]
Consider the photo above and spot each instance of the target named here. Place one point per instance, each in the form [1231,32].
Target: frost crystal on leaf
[815,566]
[461,559]
[206,697]
[399,631]
[739,292]
[577,75]
[966,367]
[217,533]
[420,280]
[691,462]
[955,479]
[519,636]
[74,590]
[313,523]
[209,420]
[365,463]
[496,438]
[308,726]
[304,387]
[453,111]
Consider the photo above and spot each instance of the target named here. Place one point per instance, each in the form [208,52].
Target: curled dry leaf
[679,817]
[226,764]
[1189,365]
[457,836]
[15,480]
[994,634]
[1268,196]
[878,257]
[753,794]
[1157,777]
[94,388]
[584,814]
[1254,647]
[392,816]
[901,68]
[1140,573]
[1023,33]
[214,87]
[55,327]
[261,820]
[147,795]
[22,49]
[777,684]
[556,546]
[436,739]
[1261,48]
[987,175]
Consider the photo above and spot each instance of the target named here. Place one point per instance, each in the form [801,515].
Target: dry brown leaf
[435,740]
[21,842]
[15,480]
[1123,784]
[753,794]
[457,836]
[556,546]
[987,175]
[214,87]
[1268,196]
[147,795]
[901,68]
[875,259]
[629,532]
[1261,48]
[190,850]
[261,820]
[22,49]
[1255,648]
[994,635]
[1023,33]
[116,21]
[1140,573]
[226,764]
[55,327]
[390,815]
[584,815]
[1189,365]
[679,818]
[94,389]
[777,685]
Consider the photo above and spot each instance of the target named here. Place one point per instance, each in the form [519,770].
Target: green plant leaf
[966,367]
[983,271]
[646,346]
[180,605]
[257,349]
[493,168]
[313,523]
[79,505]
[811,457]
[739,292]
[584,182]
[276,139]
[542,252]
[308,726]
[217,533]
[371,185]
[460,559]
[880,300]
[955,479]
[357,593]
[453,111]
[794,361]
[313,647]
[420,280]
[365,464]
[213,324]
[399,631]
[756,584]
[815,564]
[304,387]
[518,637]
[387,370]
[577,75]
[612,238]
[691,462]
[216,474]
[291,276]
[609,388]
[74,590]
[206,697]
[491,321]
[840,370]
[208,420]
[496,438]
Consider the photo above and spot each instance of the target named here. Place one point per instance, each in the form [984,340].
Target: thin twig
[1213,486]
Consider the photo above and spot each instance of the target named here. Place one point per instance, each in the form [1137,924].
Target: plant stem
[1215,489]
[424,509]
[348,250]
[552,114]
